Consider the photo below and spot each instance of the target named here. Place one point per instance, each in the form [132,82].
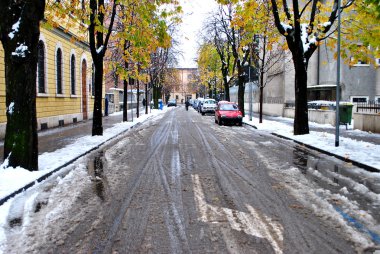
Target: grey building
[359,82]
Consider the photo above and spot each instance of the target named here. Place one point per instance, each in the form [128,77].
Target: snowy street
[180,183]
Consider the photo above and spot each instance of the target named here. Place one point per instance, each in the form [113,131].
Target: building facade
[186,89]
[359,82]
[64,82]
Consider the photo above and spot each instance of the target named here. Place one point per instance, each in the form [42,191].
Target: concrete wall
[289,77]
[367,122]
[317,116]
[270,109]
[322,116]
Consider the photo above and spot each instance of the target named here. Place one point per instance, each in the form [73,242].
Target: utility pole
[250,83]
[337,117]
[146,97]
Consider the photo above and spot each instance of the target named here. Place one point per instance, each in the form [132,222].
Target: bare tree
[240,54]
[216,34]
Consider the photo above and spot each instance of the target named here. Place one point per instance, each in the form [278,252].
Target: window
[41,67]
[93,80]
[359,99]
[361,56]
[59,70]
[72,74]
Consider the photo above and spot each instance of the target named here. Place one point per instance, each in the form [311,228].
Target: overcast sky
[194,12]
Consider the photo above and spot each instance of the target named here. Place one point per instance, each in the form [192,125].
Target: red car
[228,112]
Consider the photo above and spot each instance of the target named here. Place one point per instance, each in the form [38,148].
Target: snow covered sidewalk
[357,151]
[15,179]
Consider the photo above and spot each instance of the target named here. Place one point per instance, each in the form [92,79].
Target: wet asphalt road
[183,184]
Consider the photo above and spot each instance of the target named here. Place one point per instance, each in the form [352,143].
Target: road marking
[175,167]
[252,223]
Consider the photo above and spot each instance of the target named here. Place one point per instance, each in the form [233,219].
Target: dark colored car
[228,112]
[172,103]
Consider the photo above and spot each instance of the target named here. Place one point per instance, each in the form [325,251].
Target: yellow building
[64,81]
[184,90]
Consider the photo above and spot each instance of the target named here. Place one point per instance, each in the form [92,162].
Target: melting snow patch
[324,204]
[14,29]
[20,51]
[11,107]
[344,190]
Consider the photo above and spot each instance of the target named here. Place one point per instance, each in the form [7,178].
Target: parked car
[208,106]
[199,105]
[228,112]
[172,103]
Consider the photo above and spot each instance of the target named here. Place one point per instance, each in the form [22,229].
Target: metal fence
[368,107]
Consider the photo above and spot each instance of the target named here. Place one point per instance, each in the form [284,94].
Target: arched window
[41,67]
[59,70]
[72,74]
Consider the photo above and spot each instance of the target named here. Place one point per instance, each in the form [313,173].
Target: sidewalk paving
[357,147]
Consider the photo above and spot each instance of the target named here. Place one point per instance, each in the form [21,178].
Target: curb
[47,175]
[356,163]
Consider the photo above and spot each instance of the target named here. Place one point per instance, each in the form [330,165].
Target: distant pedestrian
[144,102]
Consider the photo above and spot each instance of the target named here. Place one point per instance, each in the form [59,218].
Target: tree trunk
[241,89]
[226,89]
[301,122]
[138,99]
[146,98]
[125,101]
[261,104]
[97,125]
[125,88]
[155,96]
[21,140]
[131,83]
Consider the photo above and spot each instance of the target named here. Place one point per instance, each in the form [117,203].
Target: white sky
[194,12]
[12,179]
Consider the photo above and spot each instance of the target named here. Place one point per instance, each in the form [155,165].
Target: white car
[208,106]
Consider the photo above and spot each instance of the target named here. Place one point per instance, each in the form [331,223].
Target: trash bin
[160,104]
[345,114]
